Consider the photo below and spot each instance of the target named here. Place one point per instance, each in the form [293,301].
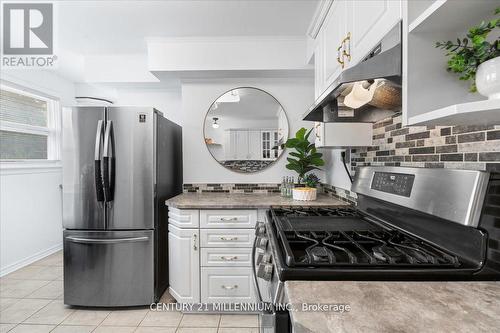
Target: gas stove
[343,237]
[410,224]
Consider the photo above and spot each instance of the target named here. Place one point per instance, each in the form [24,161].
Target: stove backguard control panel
[394,183]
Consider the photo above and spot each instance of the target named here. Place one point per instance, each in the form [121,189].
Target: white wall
[30,197]
[296,95]
[166,100]
[335,173]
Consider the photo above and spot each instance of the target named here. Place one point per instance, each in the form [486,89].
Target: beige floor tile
[238,320]
[55,259]
[200,320]
[4,328]
[114,329]
[162,318]
[51,273]
[238,330]
[13,288]
[86,317]
[54,313]
[197,330]
[144,329]
[167,298]
[23,328]
[36,272]
[52,290]
[22,310]
[30,272]
[73,329]
[125,317]
[6,302]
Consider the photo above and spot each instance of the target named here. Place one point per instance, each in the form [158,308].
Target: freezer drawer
[108,268]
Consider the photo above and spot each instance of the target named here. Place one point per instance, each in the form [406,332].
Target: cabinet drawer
[227,285]
[184,218]
[227,237]
[226,257]
[228,218]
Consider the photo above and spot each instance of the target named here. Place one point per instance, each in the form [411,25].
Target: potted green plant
[304,159]
[477,59]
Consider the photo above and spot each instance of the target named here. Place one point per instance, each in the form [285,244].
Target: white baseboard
[29,260]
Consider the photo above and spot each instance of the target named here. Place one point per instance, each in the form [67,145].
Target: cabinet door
[335,30]
[241,145]
[227,285]
[369,21]
[184,264]
[318,66]
[228,218]
[254,145]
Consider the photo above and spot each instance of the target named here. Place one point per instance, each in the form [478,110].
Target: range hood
[377,78]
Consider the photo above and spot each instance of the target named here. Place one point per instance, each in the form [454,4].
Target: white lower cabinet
[184,264]
[212,257]
[226,285]
[212,263]
[227,237]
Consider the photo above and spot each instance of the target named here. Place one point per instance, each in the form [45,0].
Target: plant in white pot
[304,159]
[476,58]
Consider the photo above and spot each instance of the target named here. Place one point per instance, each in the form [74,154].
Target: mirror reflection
[245,129]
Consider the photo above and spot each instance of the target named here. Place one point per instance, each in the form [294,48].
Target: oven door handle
[254,271]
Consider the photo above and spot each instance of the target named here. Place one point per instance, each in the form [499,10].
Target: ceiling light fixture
[215,125]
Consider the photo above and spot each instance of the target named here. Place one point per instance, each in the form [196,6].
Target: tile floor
[31,301]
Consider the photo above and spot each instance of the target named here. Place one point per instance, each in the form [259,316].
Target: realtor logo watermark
[28,35]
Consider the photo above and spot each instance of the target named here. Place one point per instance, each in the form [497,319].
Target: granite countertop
[397,306]
[250,200]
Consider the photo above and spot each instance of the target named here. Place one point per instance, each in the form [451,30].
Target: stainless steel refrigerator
[120,164]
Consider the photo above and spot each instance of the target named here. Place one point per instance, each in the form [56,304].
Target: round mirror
[245,129]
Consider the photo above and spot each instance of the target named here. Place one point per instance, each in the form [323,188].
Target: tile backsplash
[232,188]
[457,147]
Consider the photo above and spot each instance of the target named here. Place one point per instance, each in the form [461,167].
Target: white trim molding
[29,260]
[319,17]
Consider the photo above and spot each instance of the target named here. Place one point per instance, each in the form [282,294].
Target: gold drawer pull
[227,219]
[229,287]
[229,258]
[228,238]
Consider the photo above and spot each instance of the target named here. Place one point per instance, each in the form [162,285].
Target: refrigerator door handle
[97,162]
[107,240]
[108,162]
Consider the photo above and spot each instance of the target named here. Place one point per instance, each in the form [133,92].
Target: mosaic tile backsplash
[232,188]
[457,147]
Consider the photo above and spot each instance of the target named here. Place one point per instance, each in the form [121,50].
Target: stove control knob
[260,256]
[265,271]
[266,258]
[260,229]
[262,243]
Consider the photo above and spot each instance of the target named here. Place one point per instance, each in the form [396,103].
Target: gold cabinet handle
[339,53]
[316,130]
[347,40]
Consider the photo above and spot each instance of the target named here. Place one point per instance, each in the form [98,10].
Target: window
[29,126]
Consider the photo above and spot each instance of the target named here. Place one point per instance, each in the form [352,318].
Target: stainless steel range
[409,224]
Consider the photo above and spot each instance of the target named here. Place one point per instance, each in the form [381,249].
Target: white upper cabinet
[334,32]
[368,22]
[349,32]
